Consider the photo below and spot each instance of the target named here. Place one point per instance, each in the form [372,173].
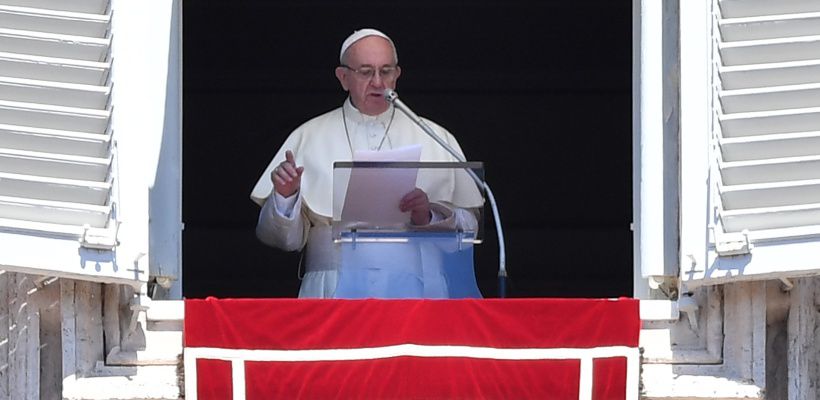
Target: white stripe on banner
[238,378]
[239,356]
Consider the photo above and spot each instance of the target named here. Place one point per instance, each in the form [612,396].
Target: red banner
[411,349]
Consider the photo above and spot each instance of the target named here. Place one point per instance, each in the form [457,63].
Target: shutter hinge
[733,244]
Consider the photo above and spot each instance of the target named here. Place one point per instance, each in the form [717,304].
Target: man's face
[370,54]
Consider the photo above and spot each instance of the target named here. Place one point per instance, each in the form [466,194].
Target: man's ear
[341,74]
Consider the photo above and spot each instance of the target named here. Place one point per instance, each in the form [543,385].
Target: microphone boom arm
[391,96]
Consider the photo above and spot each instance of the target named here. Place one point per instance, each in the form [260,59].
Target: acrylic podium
[382,254]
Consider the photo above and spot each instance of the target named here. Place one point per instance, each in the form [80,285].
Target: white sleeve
[436,216]
[285,230]
[284,205]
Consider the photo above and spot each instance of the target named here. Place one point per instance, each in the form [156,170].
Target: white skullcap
[361,34]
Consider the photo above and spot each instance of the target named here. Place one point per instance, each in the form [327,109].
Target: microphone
[391,96]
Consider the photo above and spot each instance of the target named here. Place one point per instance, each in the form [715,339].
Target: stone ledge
[662,383]
[149,383]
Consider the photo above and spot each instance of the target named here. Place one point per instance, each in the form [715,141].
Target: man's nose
[377,80]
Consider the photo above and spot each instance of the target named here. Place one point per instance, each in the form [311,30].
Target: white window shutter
[764,189]
[57,161]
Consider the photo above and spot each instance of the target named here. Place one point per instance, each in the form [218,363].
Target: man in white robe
[295,191]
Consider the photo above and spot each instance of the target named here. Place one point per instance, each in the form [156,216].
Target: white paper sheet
[373,194]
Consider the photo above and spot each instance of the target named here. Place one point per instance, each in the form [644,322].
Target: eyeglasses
[367,73]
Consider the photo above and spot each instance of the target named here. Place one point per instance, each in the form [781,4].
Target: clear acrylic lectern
[382,254]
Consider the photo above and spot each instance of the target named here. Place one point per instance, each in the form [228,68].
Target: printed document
[373,194]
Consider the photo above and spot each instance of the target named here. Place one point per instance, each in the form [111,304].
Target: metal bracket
[785,284]
[133,333]
[136,309]
[688,306]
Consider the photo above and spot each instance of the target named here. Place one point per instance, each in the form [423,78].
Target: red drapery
[408,349]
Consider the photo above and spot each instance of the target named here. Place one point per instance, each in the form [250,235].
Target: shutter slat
[770,98]
[54,117]
[79,6]
[43,228]
[770,27]
[770,50]
[53,45]
[55,189]
[770,146]
[755,8]
[770,122]
[770,74]
[771,218]
[54,165]
[773,170]
[54,93]
[15,137]
[770,194]
[54,69]
[56,212]
[54,21]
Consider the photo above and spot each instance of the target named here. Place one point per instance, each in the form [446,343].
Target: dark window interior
[540,91]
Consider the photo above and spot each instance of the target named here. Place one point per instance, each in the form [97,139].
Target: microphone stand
[393,98]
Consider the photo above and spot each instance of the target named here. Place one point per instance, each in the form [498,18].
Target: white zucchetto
[361,34]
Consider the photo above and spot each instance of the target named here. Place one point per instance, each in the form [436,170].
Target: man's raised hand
[287,177]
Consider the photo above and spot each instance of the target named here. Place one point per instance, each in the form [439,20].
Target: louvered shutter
[57,162]
[764,190]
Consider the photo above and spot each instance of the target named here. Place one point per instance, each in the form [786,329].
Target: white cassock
[305,219]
